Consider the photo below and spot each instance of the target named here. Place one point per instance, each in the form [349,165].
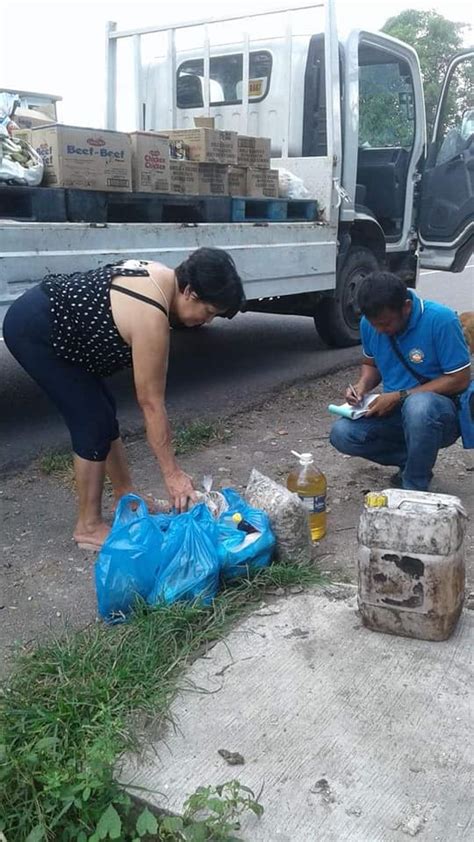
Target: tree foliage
[436,39]
[386,116]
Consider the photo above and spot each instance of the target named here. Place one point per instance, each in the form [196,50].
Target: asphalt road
[214,371]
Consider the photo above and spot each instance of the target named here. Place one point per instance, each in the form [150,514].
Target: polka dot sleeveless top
[83,329]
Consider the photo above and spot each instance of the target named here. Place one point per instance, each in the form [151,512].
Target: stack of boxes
[221,163]
[199,161]
[252,176]
[207,154]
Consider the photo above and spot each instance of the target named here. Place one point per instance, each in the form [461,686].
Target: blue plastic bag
[239,553]
[466,416]
[128,561]
[189,560]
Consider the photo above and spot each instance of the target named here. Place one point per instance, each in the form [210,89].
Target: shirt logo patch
[416,356]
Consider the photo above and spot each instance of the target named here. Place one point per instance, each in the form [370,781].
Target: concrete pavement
[354,736]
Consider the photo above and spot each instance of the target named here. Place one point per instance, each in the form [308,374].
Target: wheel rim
[350,307]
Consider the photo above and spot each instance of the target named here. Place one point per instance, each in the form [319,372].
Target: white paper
[345,410]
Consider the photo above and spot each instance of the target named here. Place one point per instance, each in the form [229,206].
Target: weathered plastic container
[411,564]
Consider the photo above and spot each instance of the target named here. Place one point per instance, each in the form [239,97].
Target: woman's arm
[150,345]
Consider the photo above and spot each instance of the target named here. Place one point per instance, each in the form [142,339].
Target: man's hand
[383,405]
[180,490]
[354,395]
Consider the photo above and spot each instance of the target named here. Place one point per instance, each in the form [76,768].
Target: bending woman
[71,331]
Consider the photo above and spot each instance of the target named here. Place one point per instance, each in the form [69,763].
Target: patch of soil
[46,582]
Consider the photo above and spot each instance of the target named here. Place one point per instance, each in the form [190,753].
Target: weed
[217,809]
[57,463]
[68,712]
[192,436]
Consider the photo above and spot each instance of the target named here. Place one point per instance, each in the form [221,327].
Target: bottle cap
[305,458]
[373,500]
[237,517]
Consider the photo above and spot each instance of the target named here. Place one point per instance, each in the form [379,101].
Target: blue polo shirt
[432,343]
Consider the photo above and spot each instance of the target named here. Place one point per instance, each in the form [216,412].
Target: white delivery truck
[346,116]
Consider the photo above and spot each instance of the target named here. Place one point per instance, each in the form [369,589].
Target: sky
[59,46]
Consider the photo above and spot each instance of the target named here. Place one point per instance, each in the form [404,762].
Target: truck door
[446,220]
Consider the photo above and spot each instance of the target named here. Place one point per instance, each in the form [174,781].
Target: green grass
[197,434]
[68,710]
[57,463]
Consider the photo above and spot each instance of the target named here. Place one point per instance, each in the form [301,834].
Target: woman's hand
[385,404]
[180,490]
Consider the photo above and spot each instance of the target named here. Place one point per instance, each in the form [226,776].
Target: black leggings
[82,398]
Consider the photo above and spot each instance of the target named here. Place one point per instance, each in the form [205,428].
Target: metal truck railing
[113,36]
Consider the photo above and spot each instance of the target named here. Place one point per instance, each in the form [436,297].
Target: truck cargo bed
[274,259]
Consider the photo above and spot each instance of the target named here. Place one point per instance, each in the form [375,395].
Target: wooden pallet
[274,210]
[95,206]
[44,204]
[32,204]
[47,204]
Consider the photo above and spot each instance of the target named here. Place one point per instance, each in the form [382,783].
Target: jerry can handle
[458,506]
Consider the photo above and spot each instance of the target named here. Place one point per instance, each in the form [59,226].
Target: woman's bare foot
[90,537]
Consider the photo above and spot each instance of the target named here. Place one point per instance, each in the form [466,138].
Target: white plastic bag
[214,500]
[290,186]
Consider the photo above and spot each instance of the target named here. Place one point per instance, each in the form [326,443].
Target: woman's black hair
[381,291]
[212,276]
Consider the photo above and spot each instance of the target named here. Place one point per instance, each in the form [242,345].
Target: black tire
[337,318]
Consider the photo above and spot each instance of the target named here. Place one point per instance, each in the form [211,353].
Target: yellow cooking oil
[309,483]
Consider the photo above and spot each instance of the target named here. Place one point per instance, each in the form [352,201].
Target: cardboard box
[213,179]
[205,122]
[237,181]
[91,159]
[253,151]
[28,118]
[207,145]
[262,183]
[194,178]
[150,162]
[184,177]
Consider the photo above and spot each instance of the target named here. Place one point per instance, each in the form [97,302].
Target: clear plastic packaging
[291,186]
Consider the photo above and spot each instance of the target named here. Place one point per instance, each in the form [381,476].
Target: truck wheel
[337,318]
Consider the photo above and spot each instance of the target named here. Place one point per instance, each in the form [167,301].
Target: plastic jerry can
[411,563]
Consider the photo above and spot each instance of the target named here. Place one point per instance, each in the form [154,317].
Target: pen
[351,387]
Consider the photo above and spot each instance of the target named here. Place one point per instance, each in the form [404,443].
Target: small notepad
[345,410]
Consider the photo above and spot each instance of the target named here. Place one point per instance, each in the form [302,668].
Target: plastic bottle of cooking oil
[310,485]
